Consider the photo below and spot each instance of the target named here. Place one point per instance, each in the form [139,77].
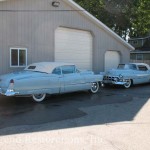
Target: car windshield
[127,66]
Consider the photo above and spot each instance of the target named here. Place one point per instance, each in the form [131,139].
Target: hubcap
[94,86]
[127,84]
[38,97]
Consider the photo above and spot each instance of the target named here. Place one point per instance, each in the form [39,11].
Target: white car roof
[140,64]
[46,67]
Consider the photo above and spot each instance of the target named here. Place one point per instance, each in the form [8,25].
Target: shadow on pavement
[114,105]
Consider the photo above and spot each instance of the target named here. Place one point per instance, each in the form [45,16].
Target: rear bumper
[9,92]
[0,90]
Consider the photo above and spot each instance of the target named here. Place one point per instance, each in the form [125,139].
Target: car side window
[142,68]
[68,69]
[132,66]
[57,71]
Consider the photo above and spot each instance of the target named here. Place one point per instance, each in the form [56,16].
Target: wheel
[128,84]
[95,87]
[38,97]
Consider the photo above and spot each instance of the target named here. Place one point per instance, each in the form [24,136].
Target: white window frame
[18,57]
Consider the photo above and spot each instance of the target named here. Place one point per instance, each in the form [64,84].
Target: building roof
[139,52]
[98,23]
[145,47]
[141,38]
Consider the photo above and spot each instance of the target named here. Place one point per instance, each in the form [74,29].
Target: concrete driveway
[115,119]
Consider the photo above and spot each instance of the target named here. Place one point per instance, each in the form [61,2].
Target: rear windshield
[31,67]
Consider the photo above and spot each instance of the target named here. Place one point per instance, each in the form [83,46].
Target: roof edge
[142,38]
[99,23]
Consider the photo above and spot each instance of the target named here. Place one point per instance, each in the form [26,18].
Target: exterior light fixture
[55,3]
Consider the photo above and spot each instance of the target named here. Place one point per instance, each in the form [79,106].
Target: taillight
[12,81]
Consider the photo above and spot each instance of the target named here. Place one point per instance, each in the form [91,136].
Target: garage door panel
[112,59]
[76,56]
[67,49]
[74,46]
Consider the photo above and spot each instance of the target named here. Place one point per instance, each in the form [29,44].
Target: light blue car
[43,78]
[128,74]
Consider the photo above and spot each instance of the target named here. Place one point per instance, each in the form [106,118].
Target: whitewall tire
[95,87]
[38,97]
[128,84]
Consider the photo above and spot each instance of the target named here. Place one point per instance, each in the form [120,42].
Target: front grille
[110,78]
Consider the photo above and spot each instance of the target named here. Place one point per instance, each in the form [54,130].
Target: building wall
[140,57]
[137,42]
[31,24]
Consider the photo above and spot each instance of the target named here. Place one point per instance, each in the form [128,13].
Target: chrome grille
[111,78]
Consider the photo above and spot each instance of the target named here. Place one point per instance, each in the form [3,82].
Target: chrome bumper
[9,92]
[114,82]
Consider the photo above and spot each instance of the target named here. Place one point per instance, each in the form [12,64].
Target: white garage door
[74,46]
[112,59]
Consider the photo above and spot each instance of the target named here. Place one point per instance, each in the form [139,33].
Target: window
[18,57]
[57,71]
[68,69]
[121,66]
[142,68]
[139,57]
[135,42]
[132,66]
[32,67]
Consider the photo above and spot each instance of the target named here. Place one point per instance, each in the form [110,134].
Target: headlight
[115,79]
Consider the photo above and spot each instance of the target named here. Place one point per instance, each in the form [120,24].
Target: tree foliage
[125,17]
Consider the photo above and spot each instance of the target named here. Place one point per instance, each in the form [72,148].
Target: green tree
[125,17]
[140,19]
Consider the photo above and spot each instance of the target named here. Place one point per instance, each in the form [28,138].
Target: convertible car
[128,74]
[39,79]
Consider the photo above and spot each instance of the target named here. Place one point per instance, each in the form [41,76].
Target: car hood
[117,72]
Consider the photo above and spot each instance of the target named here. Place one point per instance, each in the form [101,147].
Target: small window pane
[139,56]
[14,57]
[22,57]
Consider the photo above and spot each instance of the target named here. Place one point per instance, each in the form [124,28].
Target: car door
[143,74]
[58,81]
[73,81]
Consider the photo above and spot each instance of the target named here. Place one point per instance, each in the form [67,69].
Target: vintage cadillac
[39,79]
[128,74]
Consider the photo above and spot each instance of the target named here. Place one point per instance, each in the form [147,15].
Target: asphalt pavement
[79,119]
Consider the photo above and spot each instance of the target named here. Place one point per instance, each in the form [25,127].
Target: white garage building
[33,31]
